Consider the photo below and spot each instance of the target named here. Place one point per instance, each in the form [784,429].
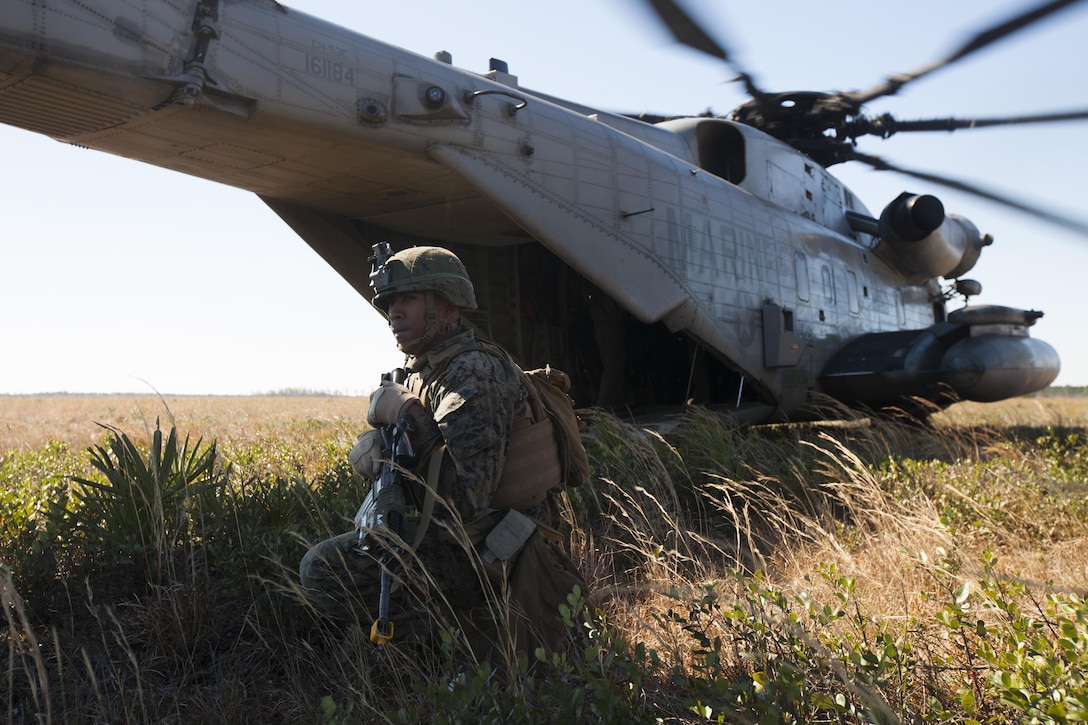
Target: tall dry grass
[907,514]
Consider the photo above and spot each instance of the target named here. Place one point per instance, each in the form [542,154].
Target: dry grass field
[1056,411]
[28,421]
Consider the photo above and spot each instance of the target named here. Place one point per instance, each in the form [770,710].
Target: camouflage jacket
[475,400]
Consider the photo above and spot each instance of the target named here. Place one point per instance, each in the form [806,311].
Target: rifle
[384,507]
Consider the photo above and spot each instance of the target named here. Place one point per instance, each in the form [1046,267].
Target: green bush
[144,508]
[33,494]
[149,506]
[598,679]
[1017,658]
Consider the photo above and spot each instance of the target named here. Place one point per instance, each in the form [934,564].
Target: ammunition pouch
[532,467]
[528,568]
[503,543]
[545,455]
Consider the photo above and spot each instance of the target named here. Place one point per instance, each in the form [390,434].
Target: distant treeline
[282,392]
[1064,391]
[301,393]
[1054,391]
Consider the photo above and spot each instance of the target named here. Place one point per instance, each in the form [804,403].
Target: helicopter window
[800,270]
[829,283]
[852,290]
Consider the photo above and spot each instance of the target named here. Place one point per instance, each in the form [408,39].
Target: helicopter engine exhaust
[922,242]
[912,218]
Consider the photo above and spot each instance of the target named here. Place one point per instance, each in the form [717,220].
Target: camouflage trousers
[502,610]
[342,578]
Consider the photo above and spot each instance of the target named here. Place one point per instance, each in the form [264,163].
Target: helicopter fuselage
[695,259]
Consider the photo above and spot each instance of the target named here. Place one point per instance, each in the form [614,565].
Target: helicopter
[563,255]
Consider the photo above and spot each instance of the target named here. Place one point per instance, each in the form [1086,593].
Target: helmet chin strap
[434,328]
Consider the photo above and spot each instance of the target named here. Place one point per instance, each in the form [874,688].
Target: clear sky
[119,277]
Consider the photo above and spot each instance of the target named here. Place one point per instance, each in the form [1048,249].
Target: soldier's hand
[389,402]
[366,456]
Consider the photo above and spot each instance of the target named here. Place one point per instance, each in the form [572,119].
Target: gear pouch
[505,540]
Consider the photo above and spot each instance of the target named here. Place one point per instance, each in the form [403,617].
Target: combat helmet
[420,269]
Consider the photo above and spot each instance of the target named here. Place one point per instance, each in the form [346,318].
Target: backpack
[548,454]
[551,387]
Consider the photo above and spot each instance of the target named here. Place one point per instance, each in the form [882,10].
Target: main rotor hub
[815,123]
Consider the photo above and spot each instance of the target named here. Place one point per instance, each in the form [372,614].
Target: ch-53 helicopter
[718,253]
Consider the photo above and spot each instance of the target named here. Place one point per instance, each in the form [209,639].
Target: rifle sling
[430,485]
[428,499]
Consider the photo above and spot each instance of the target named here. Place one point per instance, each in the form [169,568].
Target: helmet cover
[419,269]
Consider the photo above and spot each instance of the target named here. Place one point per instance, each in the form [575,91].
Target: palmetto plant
[147,504]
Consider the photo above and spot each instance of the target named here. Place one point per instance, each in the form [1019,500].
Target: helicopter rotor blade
[885,125]
[687,31]
[878,163]
[892,85]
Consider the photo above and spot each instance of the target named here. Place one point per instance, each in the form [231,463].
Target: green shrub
[598,679]
[145,507]
[150,506]
[1016,657]
[33,495]
[767,657]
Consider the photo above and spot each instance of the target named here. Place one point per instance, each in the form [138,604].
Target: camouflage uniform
[475,398]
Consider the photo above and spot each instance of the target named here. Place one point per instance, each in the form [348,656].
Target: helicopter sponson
[981,353]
